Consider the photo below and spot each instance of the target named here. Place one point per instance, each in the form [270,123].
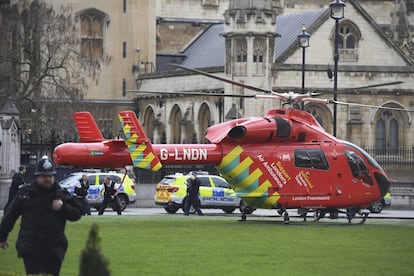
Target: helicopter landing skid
[351,214]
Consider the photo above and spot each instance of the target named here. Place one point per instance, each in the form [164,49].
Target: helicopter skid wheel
[319,214]
[351,213]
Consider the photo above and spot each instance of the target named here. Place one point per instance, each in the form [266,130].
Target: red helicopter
[282,160]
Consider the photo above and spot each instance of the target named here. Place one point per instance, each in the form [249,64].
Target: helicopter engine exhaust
[250,130]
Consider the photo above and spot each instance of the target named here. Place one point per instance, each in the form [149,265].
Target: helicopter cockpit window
[358,167]
[311,158]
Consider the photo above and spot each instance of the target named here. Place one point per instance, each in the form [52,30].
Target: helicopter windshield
[370,160]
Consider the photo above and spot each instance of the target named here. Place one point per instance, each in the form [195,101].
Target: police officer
[193,188]
[44,208]
[110,196]
[81,192]
[17,182]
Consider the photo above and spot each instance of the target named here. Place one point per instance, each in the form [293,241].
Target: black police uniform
[108,193]
[18,181]
[193,188]
[41,241]
[82,193]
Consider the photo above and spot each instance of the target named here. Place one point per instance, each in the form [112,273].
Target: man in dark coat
[44,208]
[81,192]
[110,196]
[17,182]
[193,188]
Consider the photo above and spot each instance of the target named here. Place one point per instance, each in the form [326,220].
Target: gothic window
[259,50]
[175,125]
[321,113]
[149,122]
[228,56]
[389,133]
[204,122]
[348,39]
[106,128]
[92,28]
[240,53]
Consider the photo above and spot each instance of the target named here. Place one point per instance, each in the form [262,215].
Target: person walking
[44,208]
[110,196]
[17,182]
[193,188]
[81,193]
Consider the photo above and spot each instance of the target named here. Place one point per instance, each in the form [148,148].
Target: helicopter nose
[383,183]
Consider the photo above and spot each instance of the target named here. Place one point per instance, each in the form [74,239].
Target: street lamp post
[337,13]
[303,38]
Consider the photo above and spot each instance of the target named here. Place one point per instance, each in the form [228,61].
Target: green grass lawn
[220,245]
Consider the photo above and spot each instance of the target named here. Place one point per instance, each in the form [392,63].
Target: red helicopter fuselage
[284,159]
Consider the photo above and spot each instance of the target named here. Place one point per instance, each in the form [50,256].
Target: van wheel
[376,207]
[229,210]
[171,210]
[123,201]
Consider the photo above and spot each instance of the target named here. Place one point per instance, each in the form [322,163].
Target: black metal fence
[398,162]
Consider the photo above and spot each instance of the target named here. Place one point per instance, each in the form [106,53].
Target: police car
[214,193]
[377,206]
[95,180]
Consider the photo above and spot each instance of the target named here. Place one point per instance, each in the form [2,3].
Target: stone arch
[390,128]
[348,40]
[149,122]
[204,121]
[175,120]
[322,114]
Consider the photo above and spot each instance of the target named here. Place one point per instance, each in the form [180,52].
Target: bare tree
[47,77]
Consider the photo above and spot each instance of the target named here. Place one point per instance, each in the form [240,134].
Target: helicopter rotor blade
[250,87]
[327,101]
[371,106]
[188,93]
[345,90]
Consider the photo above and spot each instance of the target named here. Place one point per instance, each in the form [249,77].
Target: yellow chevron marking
[249,180]
[140,149]
[271,200]
[157,167]
[127,129]
[260,190]
[241,167]
[233,154]
[146,160]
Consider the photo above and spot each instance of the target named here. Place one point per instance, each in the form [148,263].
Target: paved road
[398,214]
[386,214]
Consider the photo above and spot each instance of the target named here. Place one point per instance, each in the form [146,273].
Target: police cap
[45,167]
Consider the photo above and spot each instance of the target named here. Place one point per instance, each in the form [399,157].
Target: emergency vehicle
[126,195]
[215,193]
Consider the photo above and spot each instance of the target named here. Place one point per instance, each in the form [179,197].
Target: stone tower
[249,32]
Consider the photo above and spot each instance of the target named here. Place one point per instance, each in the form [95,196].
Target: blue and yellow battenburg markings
[142,155]
[248,183]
